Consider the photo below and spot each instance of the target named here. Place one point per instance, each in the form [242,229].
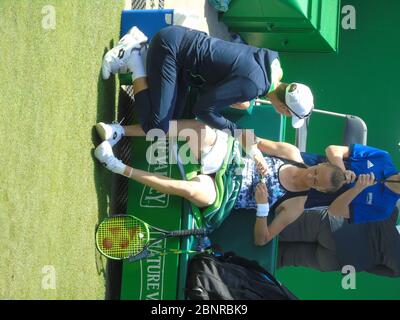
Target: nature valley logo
[157,156]
[152,271]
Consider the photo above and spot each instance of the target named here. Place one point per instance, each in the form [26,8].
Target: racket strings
[120,237]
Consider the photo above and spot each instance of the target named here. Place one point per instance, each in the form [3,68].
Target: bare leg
[198,135]
[139,84]
[200,190]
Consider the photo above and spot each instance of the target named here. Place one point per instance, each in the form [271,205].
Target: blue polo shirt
[373,203]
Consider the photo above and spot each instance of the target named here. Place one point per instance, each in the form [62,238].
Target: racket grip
[139,256]
[190,232]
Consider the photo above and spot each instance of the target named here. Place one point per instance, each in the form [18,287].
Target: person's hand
[261,164]
[364,181]
[261,193]
[241,105]
[350,176]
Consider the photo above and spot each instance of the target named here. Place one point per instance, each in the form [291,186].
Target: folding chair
[355,130]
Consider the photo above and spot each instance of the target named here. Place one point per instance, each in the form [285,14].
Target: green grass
[52,192]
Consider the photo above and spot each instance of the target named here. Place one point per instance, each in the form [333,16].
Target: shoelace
[116,121]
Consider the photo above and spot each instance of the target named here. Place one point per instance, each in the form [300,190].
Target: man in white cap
[226,73]
[294,100]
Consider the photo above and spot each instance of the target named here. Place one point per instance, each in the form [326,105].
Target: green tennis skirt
[227,182]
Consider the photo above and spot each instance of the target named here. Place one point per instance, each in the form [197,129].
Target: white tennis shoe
[105,155]
[116,58]
[110,132]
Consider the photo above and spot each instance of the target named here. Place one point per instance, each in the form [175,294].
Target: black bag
[229,277]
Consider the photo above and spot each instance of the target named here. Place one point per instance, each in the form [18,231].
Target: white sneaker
[110,132]
[115,59]
[138,35]
[105,155]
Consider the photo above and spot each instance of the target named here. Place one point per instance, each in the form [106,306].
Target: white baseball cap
[299,99]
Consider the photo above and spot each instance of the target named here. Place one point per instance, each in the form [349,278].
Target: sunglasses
[298,116]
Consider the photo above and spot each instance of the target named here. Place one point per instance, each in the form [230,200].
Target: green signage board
[154,278]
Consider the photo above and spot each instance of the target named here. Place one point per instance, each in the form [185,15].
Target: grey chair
[355,130]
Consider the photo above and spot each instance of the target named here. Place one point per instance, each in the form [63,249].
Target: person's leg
[311,255]
[200,190]
[200,137]
[305,229]
[156,95]
[139,85]
[325,236]
[327,259]
[182,110]
[297,254]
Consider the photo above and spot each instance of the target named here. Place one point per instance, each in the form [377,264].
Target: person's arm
[280,149]
[241,105]
[264,233]
[273,148]
[336,155]
[340,206]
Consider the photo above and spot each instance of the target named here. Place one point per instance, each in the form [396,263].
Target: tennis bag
[229,277]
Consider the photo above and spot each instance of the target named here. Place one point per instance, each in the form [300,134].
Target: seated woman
[284,190]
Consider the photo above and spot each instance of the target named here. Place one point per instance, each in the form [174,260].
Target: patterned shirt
[246,197]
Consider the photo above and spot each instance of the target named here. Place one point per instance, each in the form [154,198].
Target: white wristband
[254,151]
[262,210]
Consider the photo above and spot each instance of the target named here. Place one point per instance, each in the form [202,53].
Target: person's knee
[210,136]
[203,190]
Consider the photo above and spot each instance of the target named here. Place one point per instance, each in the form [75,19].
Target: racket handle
[190,232]
[139,256]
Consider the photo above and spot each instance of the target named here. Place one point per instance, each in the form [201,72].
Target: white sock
[135,64]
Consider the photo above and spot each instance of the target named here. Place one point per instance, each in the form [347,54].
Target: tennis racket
[127,237]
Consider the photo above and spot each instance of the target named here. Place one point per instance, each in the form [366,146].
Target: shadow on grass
[105,113]
[103,179]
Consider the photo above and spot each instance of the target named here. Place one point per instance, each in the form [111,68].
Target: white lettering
[349,20]
[49,280]
[349,280]
[49,20]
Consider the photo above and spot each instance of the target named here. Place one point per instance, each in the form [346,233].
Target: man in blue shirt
[227,74]
[373,201]
[363,232]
